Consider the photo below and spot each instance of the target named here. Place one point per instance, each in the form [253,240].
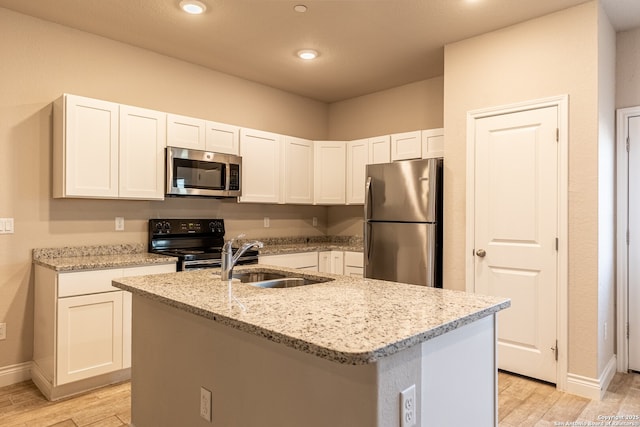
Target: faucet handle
[229,243]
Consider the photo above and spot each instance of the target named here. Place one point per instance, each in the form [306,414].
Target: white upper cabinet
[329,172]
[357,159]
[106,150]
[298,170]
[85,148]
[261,154]
[432,143]
[380,149]
[141,149]
[186,132]
[222,138]
[406,145]
[199,134]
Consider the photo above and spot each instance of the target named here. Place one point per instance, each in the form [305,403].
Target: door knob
[481,253]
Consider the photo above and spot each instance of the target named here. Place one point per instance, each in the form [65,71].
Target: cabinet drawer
[304,260]
[353,259]
[87,282]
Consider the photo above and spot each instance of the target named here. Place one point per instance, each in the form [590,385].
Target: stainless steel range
[197,243]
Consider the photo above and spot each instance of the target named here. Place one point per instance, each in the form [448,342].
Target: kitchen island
[337,353]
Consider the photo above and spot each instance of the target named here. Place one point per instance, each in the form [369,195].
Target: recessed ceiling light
[300,8]
[194,7]
[308,54]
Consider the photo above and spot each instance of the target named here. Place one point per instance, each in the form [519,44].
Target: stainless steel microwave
[202,173]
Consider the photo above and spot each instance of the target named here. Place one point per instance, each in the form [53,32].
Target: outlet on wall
[267,223]
[408,411]
[119,223]
[205,404]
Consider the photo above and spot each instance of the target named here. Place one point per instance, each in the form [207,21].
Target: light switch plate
[6,226]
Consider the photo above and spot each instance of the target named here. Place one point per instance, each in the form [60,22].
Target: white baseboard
[13,374]
[592,388]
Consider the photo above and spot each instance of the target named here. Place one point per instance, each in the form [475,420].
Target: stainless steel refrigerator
[403,222]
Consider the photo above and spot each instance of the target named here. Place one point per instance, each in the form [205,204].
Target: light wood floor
[522,402]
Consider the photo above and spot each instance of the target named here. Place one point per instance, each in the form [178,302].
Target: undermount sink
[269,279]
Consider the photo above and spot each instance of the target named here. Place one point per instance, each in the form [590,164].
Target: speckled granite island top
[347,320]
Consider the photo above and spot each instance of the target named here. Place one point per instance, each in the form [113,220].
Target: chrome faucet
[229,260]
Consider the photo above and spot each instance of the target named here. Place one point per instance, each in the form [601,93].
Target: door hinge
[627,237]
[627,330]
[555,350]
[628,144]
[557,244]
[557,134]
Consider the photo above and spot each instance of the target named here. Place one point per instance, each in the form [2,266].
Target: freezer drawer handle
[481,253]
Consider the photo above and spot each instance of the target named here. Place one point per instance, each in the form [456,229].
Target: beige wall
[628,68]
[553,55]
[43,60]
[405,108]
[606,190]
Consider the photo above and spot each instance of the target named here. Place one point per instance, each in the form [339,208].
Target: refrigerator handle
[367,198]
[367,243]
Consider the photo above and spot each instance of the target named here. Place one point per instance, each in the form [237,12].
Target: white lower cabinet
[301,260]
[331,262]
[353,264]
[89,336]
[82,328]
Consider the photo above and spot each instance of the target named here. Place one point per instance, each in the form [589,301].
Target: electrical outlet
[119,223]
[205,404]
[3,331]
[408,412]
[315,221]
[266,222]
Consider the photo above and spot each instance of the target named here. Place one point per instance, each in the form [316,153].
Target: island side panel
[459,377]
[254,382]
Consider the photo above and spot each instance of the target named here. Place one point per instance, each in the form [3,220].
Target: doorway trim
[622,226]
[562,104]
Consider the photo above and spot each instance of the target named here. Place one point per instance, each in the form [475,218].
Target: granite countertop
[78,258]
[348,320]
[289,245]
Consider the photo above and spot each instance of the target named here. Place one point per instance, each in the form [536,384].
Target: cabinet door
[407,145]
[329,172]
[337,262]
[380,149]
[185,132]
[324,262]
[432,143]
[89,335]
[298,170]
[357,159]
[222,138]
[89,148]
[261,169]
[142,144]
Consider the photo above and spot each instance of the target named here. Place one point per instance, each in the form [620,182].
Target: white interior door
[516,230]
[634,242]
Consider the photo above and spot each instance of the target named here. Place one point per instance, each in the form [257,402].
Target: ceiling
[365,45]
